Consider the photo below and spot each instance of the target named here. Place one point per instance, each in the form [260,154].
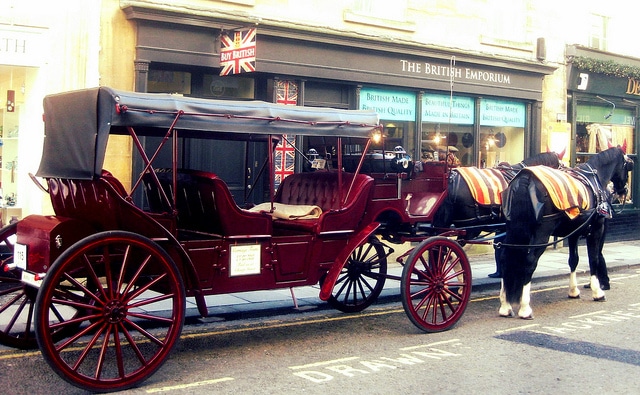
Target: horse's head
[620,175]
[611,165]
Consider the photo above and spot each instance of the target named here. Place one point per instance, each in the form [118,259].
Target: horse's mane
[605,156]
[549,159]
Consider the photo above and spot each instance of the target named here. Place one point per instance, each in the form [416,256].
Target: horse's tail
[521,218]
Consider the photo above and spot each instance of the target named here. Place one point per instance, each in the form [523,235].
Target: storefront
[20,117]
[602,112]
[431,100]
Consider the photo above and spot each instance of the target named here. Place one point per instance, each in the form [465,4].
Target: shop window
[501,132]
[168,81]
[598,31]
[214,86]
[447,127]
[9,133]
[601,127]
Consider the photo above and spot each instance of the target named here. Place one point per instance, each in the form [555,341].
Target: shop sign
[633,87]
[21,47]
[238,52]
[502,113]
[452,72]
[446,109]
[600,84]
[390,105]
[604,114]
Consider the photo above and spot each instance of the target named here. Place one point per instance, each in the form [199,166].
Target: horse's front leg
[505,307]
[596,291]
[525,312]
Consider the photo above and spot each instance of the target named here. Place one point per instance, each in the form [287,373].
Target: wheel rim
[16,299]
[436,284]
[362,279]
[127,301]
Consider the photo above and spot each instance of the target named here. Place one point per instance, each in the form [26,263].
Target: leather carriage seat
[205,204]
[321,189]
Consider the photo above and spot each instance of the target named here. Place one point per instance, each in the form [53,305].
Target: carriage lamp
[11,101]
[377,136]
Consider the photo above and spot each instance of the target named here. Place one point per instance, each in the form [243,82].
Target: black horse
[463,211]
[532,217]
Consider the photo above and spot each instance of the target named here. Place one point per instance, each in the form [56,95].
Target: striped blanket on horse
[486,185]
[566,192]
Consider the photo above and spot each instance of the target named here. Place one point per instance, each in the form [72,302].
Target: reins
[499,244]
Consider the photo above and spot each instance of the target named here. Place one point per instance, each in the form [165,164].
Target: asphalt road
[571,345]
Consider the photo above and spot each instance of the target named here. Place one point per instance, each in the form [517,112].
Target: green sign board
[390,105]
[502,113]
[446,109]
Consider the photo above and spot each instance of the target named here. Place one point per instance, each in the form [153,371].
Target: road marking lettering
[579,322]
[356,366]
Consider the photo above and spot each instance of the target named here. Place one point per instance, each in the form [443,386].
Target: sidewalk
[553,263]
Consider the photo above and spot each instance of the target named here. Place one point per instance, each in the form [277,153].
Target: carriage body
[102,258]
[198,224]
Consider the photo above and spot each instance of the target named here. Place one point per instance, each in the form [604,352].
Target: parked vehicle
[102,284]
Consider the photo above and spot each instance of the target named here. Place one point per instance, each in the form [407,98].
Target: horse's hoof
[509,314]
[574,297]
[529,317]
[600,299]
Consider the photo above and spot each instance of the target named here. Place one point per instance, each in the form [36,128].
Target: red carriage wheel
[127,302]
[362,278]
[436,284]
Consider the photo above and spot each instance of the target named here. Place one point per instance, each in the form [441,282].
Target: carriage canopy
[78,124]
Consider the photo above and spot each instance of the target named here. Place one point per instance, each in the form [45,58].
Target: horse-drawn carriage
[101,285]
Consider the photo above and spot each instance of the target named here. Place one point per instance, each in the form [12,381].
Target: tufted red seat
[101,203]
[321,189]
[205,204]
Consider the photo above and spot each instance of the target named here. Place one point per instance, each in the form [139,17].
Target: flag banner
[285,154]
[238,52]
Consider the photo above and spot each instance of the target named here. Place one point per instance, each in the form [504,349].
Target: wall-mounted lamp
[613,107]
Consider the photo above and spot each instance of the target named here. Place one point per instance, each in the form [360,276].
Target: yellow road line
[189,385]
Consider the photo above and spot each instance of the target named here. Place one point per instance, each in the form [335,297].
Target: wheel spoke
[86,349]
[103,351]
[134,345]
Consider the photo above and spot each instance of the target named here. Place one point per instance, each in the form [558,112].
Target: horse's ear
[561,153]
[624,147]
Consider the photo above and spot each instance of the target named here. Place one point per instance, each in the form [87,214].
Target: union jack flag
[286,92]
[238,52]
[284,160]
[285,155]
